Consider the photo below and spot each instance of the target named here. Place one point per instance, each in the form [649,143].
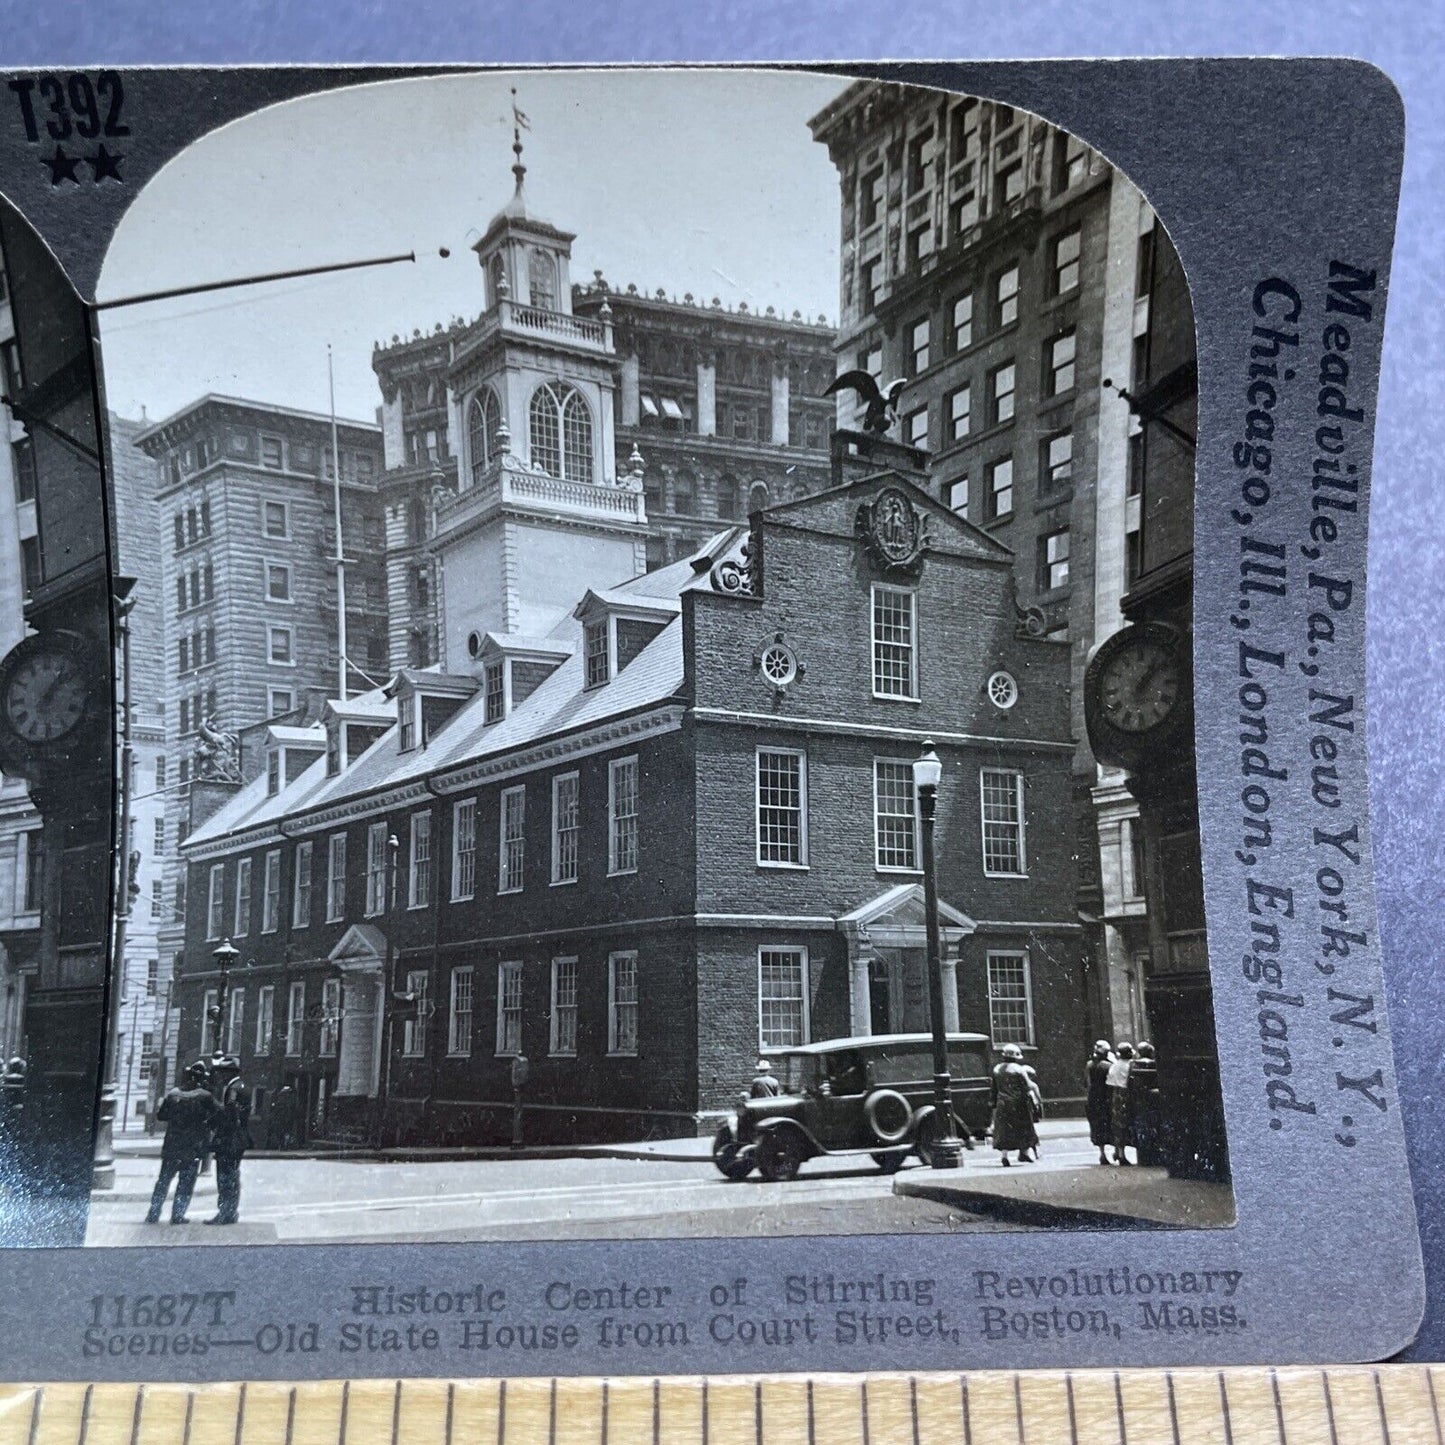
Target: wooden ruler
[1346,1405]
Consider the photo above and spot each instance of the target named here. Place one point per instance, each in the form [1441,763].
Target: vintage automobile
[864,1096]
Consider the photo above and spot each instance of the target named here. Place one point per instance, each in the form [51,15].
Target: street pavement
[663,1189]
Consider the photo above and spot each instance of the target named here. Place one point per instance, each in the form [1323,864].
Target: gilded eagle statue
[881,402]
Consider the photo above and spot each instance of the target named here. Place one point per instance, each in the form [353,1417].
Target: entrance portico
[888,961]
[360,957]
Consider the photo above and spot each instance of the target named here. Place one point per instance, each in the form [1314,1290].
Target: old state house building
[670,828]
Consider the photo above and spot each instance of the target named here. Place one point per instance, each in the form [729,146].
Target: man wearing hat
[764,1085]
[189,1115]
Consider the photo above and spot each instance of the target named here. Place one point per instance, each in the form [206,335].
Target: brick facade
[692,709]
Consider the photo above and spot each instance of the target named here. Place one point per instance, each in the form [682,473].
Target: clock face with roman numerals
[1139,684]
[47,690]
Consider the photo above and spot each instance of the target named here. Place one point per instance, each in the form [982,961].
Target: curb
[1033,1212]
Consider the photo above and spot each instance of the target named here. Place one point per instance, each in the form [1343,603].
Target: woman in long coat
[1016,1105]
[1096,1107]
[230,1139]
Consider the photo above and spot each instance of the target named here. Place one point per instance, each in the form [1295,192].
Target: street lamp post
[225,956]
[947,1148]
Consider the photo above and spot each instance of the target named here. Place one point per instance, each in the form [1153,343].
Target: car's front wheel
[733,1161]
[779,1155]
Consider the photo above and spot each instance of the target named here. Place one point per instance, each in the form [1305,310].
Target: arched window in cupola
[495,274]
[542,280]
[484,419]
[561,432]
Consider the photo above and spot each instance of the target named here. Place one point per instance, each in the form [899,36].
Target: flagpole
[340,555]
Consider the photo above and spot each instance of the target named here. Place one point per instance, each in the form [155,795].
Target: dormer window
[273,772]
[407,719]
[333,751]
[494,685]
[596,654]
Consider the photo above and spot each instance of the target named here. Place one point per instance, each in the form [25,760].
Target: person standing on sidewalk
[188,1115]
[1118,1083]
[764,1085]
[1096,1106]
[1017,1106]
[230,1138]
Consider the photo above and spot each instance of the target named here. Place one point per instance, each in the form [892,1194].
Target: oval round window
[474,643]
[778,664]
[1003,691]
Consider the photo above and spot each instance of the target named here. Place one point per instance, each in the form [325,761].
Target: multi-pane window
[494,692]
[1010,1005]
[336,877]
[1006,297]
[215,900]
[918,336]
[464,849]
[960,404]
[157,897]
[1066,262]
[242,920]
[413,1031]
[915,427]
[1059,376]
[158,839]
[1058,462]
[279,646]
[273,772]
[870,198]
[963,130]
[274,519]
[513,840]
[375,869]
[782,997]
[564,1007]
[1054,559]
[271,892]
[301,886]
[962,318]
[956,496]
[459,1015]
[1002,382]
[622,1003]
[895,815]
[236,1020]
[153,975]
[1009,183]
[509,1008]
[561,432]
[596,654]
[418,883]
[278,582]
[271,453]
[1003,821]
[564,828]
[484,418]
[782,804]
[295,1018]
[330,1031]
[265,1018]
[895,669]
[622,816]
[1001,487]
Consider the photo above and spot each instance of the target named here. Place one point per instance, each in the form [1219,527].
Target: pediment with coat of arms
[894,532]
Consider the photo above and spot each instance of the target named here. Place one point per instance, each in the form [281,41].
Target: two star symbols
[103,165]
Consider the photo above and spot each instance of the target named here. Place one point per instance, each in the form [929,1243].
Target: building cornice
[730,716]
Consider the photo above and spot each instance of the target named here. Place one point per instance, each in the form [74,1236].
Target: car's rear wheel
[733,1161]
[891,1162]
[779,1155]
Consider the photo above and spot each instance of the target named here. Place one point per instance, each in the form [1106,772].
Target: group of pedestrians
[201,1122]
[1121,1091]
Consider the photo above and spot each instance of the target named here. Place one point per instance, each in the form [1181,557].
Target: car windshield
[795,1072]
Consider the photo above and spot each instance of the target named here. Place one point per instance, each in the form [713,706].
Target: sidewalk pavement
[683,1150]
[1097,1197]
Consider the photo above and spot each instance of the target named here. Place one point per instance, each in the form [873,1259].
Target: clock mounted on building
[51,688]
[1137,692]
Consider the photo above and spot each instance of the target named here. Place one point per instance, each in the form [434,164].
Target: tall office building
[1000,268]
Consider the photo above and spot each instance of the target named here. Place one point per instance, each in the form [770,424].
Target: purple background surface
[1407,588]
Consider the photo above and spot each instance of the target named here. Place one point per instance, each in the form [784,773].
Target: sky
[708,183]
